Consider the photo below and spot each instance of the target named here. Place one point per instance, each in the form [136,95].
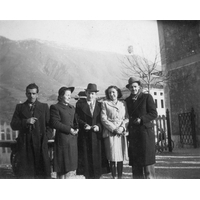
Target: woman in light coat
[115,120]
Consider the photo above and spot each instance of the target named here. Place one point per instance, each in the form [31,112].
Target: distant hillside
[51,66]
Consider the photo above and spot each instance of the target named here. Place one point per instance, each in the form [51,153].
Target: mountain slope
[51,66]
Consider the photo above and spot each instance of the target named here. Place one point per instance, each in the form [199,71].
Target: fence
[6,133]
[187,128]
[161,130]
[163,133]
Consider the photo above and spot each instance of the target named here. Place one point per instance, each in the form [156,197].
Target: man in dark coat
[142,111]
[91,151]
[31,118]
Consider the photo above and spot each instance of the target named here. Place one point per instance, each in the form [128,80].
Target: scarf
[136,96]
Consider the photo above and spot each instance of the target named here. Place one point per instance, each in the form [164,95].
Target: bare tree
[149,72]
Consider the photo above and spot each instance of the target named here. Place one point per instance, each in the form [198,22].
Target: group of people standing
[91,138]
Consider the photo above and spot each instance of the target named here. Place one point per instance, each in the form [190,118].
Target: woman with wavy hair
[115,120]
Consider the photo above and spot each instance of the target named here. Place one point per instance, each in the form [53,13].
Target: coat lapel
[97,109]
[64,106]
[86,109]
[38,109]
[134,105]
[116,106]
[26,110]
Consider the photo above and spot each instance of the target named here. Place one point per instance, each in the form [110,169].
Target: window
[14,136]
[162,103]
[161,94]
[155,93]
[8,136]
[3,149]
[3,136]
[156,102]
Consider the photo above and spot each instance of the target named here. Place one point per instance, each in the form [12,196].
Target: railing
[187,128]
[162,132]
[6,134]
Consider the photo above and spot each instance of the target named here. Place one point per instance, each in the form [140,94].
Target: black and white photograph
[99,98]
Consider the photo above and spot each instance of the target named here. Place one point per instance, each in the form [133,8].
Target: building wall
[158,96]
[180,55]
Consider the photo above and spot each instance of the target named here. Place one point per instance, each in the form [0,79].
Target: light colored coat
[113,116]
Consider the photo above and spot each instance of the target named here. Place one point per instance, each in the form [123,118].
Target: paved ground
[6,172]
[180,164]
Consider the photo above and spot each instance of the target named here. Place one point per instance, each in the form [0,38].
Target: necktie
[31,107]
[91,108]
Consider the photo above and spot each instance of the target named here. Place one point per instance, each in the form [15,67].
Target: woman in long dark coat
[62,117]
[92,160]
[142,111]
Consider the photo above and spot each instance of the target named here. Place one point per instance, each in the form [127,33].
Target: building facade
[180,56]
[158,96]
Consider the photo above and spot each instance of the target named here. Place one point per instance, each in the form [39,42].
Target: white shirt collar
[89,102]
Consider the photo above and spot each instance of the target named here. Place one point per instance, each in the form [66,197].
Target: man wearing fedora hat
[142,111]
[90,148]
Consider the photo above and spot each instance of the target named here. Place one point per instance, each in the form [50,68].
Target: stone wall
[180,54]
[181,39]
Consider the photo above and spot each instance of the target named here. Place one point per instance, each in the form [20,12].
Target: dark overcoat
[62,118]
[32,142]
[141,137]
[92,159]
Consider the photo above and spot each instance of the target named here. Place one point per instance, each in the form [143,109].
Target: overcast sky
[104,35]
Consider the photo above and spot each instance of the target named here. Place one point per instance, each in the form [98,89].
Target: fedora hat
[82,94]
[132,80]
[62,90]
[92,87]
